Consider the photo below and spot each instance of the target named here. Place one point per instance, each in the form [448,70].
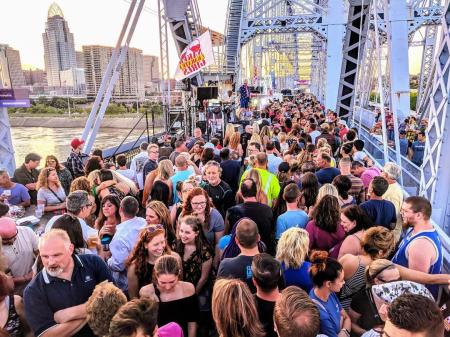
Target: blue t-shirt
[404,146]
[418,149]
[330,314]
[298,277]
[179,176]
[382,212]
[326,175]
[19,194]
[296,218]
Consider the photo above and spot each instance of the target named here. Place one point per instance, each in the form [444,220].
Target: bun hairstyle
[378,240]
[323,268]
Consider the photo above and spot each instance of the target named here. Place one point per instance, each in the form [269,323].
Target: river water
[56,141]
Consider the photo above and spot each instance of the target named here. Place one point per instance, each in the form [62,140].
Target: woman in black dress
[177,299]
[151,244]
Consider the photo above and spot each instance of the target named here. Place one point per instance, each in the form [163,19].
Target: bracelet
[347,333]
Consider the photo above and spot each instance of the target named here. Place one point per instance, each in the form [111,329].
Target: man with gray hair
[78,205]
[55,300]
[391,172]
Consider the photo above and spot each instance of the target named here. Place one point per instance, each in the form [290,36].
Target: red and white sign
[196,56]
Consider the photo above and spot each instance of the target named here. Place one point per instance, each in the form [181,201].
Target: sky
[91,22]
[100,22]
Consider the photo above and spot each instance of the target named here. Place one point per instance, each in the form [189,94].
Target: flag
[197,55]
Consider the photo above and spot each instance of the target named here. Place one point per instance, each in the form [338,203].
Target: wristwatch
[346,332]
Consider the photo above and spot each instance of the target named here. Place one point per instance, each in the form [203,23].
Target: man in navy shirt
[55,300]
[230,169]
[418,149]
[382,212]
[326,173]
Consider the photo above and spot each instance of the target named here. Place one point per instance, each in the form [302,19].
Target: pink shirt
[322,240]
[170,330]
[369,174]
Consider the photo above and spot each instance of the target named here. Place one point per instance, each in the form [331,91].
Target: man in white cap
[20,248]
[343,128]
[75,159]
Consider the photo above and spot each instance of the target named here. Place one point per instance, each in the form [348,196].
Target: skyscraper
[130,85]
[59,47]
[11,66]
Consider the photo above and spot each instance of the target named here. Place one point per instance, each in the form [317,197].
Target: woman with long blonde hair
[292,250]
[163,173]
[229,130]
[234,310]
[236,151]
[260,195]
[255,138]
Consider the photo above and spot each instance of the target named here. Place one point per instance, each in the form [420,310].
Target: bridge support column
[435,172]
[398,58]
[336,20]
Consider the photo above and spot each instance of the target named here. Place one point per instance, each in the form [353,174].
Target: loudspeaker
[207,93]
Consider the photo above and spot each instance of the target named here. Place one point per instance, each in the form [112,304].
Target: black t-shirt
[265,314]
[361,305]
[263,216]
[222,196]
[230,173]
[245,137]
[239,267]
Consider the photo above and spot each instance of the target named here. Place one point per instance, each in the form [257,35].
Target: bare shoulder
[147,291]
[187,288]
[348,259]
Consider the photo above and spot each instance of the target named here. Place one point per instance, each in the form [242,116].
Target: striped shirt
[357,190]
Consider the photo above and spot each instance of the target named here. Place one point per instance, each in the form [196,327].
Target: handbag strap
[57,197]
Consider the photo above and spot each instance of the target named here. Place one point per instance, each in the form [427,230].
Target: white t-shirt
[359,156]
[137,165]
[128,173]
[20,255]
[46,195]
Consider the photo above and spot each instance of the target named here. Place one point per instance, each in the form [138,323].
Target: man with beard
[55,300]
[420,248]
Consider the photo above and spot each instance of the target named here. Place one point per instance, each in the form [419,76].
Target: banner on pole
[197,55]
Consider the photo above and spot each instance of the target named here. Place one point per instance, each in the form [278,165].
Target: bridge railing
[364,120]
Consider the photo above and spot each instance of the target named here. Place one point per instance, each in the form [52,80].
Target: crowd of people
[286,228]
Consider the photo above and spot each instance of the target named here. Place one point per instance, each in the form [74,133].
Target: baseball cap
[343,122]
[76,143]
[388,292]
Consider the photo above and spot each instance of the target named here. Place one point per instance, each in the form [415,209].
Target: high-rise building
[80,59]
[74,80]
[59,47]
[151,69]
[11,67]
[151,73]
[35,77]
[130,85]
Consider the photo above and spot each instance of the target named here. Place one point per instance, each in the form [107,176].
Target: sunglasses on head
[154,228]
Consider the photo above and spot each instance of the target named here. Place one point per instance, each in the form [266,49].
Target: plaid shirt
[75,164]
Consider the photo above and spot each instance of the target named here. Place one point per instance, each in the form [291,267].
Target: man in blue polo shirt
[326,173]
[55,300]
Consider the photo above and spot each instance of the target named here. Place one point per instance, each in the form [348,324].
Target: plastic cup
[92,241]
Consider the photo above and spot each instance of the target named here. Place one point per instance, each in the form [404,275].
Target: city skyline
[106,23]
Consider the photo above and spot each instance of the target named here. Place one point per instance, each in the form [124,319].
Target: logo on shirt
[88,278]
[249,272]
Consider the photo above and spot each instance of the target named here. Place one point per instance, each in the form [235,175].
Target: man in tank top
[420,248]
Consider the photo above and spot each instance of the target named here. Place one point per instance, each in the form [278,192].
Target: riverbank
[122,122]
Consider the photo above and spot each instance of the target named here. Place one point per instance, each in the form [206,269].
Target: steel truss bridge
[353,53]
